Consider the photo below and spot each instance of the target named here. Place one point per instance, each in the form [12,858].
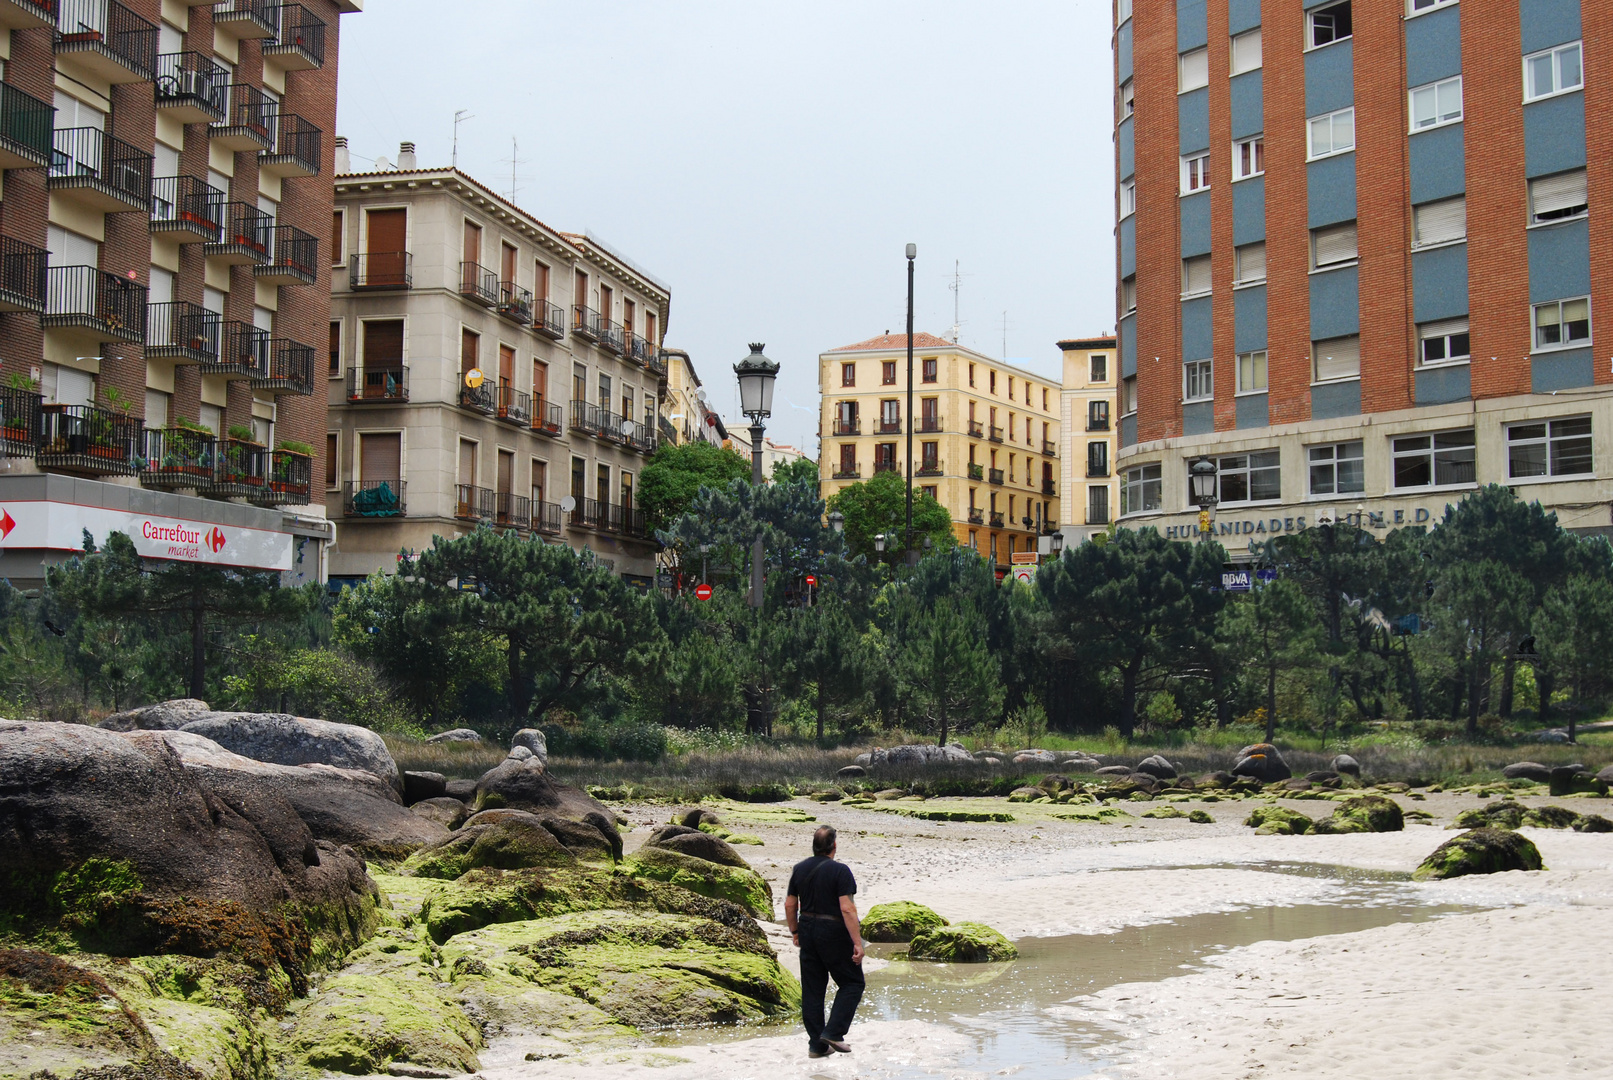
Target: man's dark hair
[823,841]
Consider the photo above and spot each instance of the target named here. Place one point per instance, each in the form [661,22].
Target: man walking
[823,918]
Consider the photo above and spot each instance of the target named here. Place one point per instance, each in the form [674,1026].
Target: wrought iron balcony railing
[85,439]
[378,385]
[295,150]
[585,323]
[293,259]
[186,209]
[841,472]
[514,302]
[996,519]
[996,434]
[245,353]
[298,43]
[290,480]
[481,398]
[478,284]
[248,19]
[1049,447]
[381,270]
[246,236]
[511,511]
[976,472]
[890,427]
[375,498]
[106,39]
[180,330]
[1049,487]
[178,458]
[290,369]
[514,406]
[995,475]
[25,129]
[848,427]
[248,122]
[23,275]
[19,421]
[585,417]
[549,319]
[472,503]
[546,517]
[192,88]
[91,299]
[91,167]
[930,425]
[930,468]
[548,417]
[977,516]
[610,336]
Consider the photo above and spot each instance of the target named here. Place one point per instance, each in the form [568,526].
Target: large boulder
[921,754]
[1267,820]
[1113,770]
[1482,851]
[1081,764]
[1364,813]
[526,785]
[961,943]
[1157,767]
[899,922]
[456,735]
[696,844]
[1263,762]
[281,739]
[1036,757]
[676,854]
[852,772]
[163,716]
[1527,770]
[502,839]
[1606,775]
[1344,763]
[533,740]
[1573,779]
[445,811]
[420,786]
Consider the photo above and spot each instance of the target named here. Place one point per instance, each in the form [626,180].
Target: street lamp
[1201,476]
[912,253]
[837,521]
[756,374]
[879,543]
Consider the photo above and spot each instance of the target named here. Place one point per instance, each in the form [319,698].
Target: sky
[769,162]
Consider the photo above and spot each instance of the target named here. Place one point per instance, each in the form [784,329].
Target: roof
[899,341]
[1106,342]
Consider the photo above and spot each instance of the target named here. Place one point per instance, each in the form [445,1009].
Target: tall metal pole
[756,545]
[908,547]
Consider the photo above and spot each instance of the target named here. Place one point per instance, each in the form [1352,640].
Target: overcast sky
[768,162]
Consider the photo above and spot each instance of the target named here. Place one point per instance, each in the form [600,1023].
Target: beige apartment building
[484,368]
[985,435]
[685,416]
[1086,413]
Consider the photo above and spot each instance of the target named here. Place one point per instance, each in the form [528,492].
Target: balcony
[642,440]
[848,427]
[178,458]
[85,439]
[610,336]
[930,425]
[478,284]
[1050,487]
[977,516]
[379,270]
[548,417]
[842,473]
[295,150]
[890,427]
[290,480]
[299,42]
[996,519]
[90,167]
[294,259]
[182,331]
[930,468]
[514,406]
[19,421]
[1049,447]
[887,466]
[657,363]
[378,385]
[246,236]
[625,521]
[515,303]
[1098,423]
[996,434]
[610,426]
[191,88]
[641,350]
[27,14]
[247,19]
[996,476]
[290,369]
[245,354]
[585,418]
[1097,468]
[549,319]
[586,514]
[976,472]
[26,124]
[585,323]
[106,41]
[546,518]
[374,498]
[511,511]
[1047,528]
[472,503]
[23,270]
[248,122]
[482,399]
[103,306]
[1097,515]
[187,210]
[976,430]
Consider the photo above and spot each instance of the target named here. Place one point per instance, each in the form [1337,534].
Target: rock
[1267,820]
[280,739]
[420,786]
[513,840]
[1554,738]
[920,754]
[521,753]
[827,795]
[1347,765]
[1594,823]
[526,785]
[463,790]
[1571,779]
[1026,794]
[1322,776]
[676,855]
[1550,817]
[447,812]
[1166,811]
[1113,770]
[1201,817]
[864,760]
[899,922]
[1263,762]
[1156,766]
[961,943]
[851,772]
[1055,782]
[1482,851]
[533,740]
[457,735]
[1527,770]
[1035,757]
[1364,813]
[1295,784]
[991,761]
[163,716]
[693,819]
[1081,764]
[889,795]
[696,844]
[593,839]
[1606,775]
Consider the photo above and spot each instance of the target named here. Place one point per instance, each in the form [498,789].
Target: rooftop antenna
[515,160]
[1005,335]
[957,289]
[462,114]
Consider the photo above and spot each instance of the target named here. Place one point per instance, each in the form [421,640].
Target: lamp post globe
[756,375]
[837,521]
[1202,476]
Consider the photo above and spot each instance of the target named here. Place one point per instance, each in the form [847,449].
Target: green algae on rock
[1201,817]
[738,884]
[510,843]
[961,943]
[1481,851]
[899,921]
[1363,813]
[1267,820]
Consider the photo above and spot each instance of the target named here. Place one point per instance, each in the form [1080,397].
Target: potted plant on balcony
[238,457]
[182,449]
[15,423]
[283,477]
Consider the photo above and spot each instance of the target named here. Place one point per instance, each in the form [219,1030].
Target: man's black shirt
[820,883]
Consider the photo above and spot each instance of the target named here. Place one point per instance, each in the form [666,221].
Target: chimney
[406,155]
[344,164]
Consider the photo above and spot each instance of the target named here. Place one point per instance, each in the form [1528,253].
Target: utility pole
[912,252]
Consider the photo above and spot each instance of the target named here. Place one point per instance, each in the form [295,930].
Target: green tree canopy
[796,471]
[879,505]
[676,472]
[1574,638]
[1275,631]
[947,671]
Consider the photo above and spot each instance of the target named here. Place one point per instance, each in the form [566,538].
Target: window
[1248,157]
[1097,416]
[1441,222]
[1128,294]
[1420,6]
[1127,99]
[540,476]
[1333,246]
[848,374]
[1549,448]
[1255,477]
[1327,25]
[1555,71]
[1556,198]
[335,355]
[1193,70]
[1098,505]
[1128,395]
[1097,370]
[884,457]
[930,490]
[1246,51]
[1337,469]
[931,369]
[930,456]
[971,374]
[1249,264]
[890,415]
[338,236]
[540,284]
[1141,489]
[1196,275]
[1198,380]
[887,373]
[1337,358]
[1098,458]
[1562,323]
[1044,399]
[1122,11]
[1437,103]
[1252,372]
[1195,173]
[1010,397]
[332,474]
[848,459]
[1128,198]
[1434,460]
[1443,342]
[1332,134]
[991,382]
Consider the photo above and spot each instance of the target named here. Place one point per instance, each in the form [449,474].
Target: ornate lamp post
[756,374]
[1202,477]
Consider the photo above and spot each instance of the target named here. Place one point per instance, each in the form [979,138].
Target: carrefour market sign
[58,526]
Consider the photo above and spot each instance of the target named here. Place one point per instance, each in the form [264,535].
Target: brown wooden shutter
[337,219]
[380,457]
[331,442]
[467,462]
[385,245]
[383,344]
[469,345]
[506,471]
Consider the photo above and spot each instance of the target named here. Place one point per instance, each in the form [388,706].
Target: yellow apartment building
[985,435]
[1086,413]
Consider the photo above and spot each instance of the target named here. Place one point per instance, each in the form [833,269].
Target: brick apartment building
[1362,257]
[166,192]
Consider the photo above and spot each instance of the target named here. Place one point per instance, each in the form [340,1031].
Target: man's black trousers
[826,951]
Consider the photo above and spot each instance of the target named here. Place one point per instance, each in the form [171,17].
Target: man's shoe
[816,1053]
[839,1045]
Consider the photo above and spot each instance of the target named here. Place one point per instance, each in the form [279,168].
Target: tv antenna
[462,114]
[515,160]
[1005,335]
[957,289]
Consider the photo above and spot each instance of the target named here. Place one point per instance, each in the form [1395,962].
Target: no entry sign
[702,592]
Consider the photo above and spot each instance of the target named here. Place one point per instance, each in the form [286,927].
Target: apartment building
[1360,264]
[1086,413]
[985,435]
[484,368]
[165,171]
[685,415]
[773,454]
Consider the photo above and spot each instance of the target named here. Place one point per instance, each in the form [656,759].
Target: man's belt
[815,915]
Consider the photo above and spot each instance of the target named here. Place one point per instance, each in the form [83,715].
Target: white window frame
[1249,386]
[1256,143]
[1128,294]
[1128,100]
[1135,484]
[1583,211]
[1577,343]
[1182,62]
[1195,173]
[1330,463]
[1247,470]
[1199,374]
[1413,9]
[1208,289]
[1556,53]
[1417,242]
[1318,267]
[1439,119]
[1445,330]
[1432,452]
[1246,37]
[1310,27]
[1316,361]
[1549,440]
[1122,11]
[1332,118]
[1239,281]
[1128,198]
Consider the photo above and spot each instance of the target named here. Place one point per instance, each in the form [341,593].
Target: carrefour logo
[6,524]
[215,540]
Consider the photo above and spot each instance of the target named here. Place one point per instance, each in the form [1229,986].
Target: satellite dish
[628,428]
[474,377]
[567,505]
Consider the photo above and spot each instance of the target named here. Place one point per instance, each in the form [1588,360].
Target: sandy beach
[1503,983]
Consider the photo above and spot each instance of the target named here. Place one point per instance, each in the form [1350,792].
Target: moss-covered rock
[929,813]
[737,884]
[1363,813]
[1165,812]
[1592,823]
[1550,817]
[1200,817]
[756,793]
[645,970]
[1481,851]
[59,1017]
[961,943]
[511,842]
[899,921]
[1280,820]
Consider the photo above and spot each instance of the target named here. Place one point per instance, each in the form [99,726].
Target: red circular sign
[702,592]
[811,580]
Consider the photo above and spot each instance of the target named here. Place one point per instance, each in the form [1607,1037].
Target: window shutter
[1335,244]
[1195,69]
[1442,329]
[1338,358]
[1252,262]
[380,457]
[1196,274]
[1558,194]
[1246,52]
[1443,221]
